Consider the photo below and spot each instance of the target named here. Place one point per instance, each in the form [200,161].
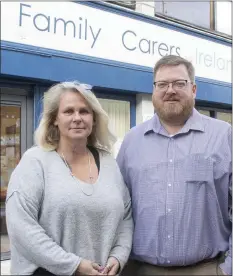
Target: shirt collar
[194,122]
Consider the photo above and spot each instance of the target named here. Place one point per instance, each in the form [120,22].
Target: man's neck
[172,129]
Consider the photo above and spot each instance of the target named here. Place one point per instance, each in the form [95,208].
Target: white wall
[145,7]
[144,107]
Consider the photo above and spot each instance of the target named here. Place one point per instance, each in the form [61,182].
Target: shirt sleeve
[123,244]
[227,265]
[26,235]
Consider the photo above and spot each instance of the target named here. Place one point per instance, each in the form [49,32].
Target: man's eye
[180,83]
[162,85]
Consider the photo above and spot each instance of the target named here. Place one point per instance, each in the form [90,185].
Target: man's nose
[170,89]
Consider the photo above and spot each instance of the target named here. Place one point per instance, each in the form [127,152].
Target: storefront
[110,48]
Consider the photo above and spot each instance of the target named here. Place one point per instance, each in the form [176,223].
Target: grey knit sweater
[52,224]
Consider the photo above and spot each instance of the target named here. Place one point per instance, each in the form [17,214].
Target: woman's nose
[77,117]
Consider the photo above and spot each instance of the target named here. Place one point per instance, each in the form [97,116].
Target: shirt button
[169,236]
[170,160]
[168,261]
[169,184]
[169,210]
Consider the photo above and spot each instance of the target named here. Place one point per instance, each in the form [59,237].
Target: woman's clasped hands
[87,267]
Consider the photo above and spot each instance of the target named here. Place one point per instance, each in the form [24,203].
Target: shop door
[13,144]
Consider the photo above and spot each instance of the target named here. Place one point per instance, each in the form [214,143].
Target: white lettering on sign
[80,29]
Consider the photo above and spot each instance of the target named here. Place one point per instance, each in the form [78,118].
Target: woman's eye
[84,111]
[68,111]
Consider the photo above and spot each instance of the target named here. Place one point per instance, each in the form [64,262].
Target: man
[177,167]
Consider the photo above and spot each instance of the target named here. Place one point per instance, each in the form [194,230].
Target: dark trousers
[207,267]
[42,272]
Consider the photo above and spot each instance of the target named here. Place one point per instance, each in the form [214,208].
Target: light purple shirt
[180,190]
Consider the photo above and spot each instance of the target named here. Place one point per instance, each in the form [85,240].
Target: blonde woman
[68,209]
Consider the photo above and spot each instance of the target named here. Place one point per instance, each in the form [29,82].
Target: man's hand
[112,266]
[87,267]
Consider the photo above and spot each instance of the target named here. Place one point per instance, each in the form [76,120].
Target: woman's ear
[55,123]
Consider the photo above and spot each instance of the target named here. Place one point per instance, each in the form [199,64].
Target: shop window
[10,156]
[195,13]
[225,116]
[203,111]
[119,116]
[16,116]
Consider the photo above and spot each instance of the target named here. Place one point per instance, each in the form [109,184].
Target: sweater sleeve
[22,212]
[123,244]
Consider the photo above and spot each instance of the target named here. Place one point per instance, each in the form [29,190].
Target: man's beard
[176,113]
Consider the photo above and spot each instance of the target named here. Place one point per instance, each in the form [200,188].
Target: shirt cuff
[227,266]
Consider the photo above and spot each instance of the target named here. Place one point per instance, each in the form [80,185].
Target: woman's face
[74,118]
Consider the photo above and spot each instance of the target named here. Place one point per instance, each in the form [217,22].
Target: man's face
[173,102]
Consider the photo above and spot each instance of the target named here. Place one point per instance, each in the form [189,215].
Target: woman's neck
[72,151]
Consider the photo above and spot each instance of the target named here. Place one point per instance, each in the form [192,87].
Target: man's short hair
[172,60]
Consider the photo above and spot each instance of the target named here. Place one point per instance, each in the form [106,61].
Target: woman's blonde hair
[47,134]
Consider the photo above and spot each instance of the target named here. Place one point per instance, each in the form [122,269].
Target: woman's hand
[112,267]
[87,267]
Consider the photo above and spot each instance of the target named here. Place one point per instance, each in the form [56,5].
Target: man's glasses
[177,85]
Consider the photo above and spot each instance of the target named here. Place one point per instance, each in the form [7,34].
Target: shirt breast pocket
[198,169]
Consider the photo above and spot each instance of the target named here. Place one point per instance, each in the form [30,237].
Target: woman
[68,209]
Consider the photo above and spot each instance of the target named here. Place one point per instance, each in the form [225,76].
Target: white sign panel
[76,28]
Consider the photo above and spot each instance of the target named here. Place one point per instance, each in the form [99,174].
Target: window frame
[126,4]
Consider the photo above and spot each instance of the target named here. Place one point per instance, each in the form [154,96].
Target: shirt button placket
[170,187]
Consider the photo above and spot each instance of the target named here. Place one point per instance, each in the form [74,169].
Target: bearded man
[178,169]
